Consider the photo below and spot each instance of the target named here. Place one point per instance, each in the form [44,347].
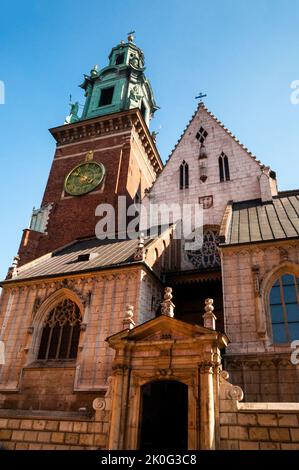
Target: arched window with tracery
[207,255]
[184,175]
[61,331]
[284,308]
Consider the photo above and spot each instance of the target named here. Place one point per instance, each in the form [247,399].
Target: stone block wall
[255,426]
[52,431]
[260,428]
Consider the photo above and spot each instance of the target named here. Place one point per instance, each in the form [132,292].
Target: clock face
[84,178]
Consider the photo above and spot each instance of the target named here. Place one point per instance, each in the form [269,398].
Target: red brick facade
[122,143]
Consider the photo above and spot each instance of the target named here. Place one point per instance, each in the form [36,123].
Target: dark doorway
[189,301]
[164,416]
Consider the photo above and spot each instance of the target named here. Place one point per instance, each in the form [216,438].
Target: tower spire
[119,86]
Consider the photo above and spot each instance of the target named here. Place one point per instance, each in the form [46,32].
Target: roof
[102,253]
[256,221]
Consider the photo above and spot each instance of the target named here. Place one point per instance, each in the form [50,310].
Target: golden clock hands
[85,179]
[77,172]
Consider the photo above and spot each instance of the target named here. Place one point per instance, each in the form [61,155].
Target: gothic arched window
[184,175]
[284,307]
[223,168]
[61,331]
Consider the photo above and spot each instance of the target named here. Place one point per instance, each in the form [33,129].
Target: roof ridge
[287,192]
[202,105]
[183,133]
[233,136]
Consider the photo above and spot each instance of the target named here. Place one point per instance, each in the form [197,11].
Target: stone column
[116,412]
[207,407]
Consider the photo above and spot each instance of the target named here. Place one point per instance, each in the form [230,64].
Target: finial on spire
[131,36]
[200,97]
[94,71]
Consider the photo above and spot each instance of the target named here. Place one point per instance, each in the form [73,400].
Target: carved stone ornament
[128,321]
[229,391]
[13,270]
[164,372]
[209,319]
[36,305]
[140,253]
[283,255]
[235,393]
[167,307]
[206,201]
[256,279]
[99,404]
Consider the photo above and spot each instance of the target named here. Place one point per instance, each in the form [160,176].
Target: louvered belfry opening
[61,331]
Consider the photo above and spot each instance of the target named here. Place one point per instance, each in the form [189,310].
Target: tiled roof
[102,253]
[255,221]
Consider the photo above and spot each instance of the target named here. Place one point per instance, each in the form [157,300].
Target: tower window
[119,59]
[284,309]
[106,96]
[60,336]
[184,175]
[143,109]
[201,135]
[223,168]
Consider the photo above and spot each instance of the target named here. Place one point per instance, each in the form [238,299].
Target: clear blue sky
[243,54]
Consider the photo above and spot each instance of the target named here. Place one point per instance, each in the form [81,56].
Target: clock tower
[106,152]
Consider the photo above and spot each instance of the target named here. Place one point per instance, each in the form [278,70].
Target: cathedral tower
[106,152]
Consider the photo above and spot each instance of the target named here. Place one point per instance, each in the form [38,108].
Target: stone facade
[261,367]
[147,312]
[102,299]
[53,431]
[256,426]
[245,171]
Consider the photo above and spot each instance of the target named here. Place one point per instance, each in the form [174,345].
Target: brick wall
[128,168]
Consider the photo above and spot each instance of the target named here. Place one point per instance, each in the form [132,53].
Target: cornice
[107,126]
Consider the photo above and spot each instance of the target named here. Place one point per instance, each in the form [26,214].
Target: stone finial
[167,307]
[128,321]
[139,254]
[13,269]
[209,319]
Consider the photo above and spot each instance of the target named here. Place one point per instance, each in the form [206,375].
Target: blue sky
[243,54]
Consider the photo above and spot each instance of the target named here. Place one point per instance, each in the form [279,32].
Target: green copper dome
[120,86]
